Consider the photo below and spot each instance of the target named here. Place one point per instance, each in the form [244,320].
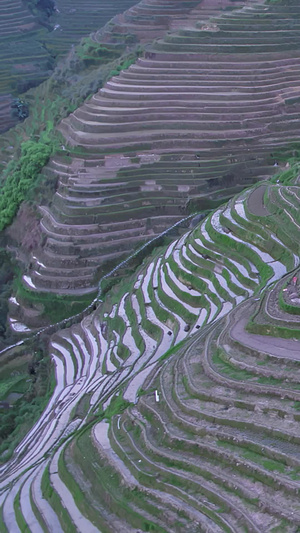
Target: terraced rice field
[29,51]
[149,19]
[197,116]
[75,19]
[209,440]
[176,405]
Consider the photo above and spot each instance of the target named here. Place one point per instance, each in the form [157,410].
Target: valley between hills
[149,274]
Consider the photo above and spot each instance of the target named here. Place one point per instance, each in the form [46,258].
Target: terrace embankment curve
[124,237]
[196,117]
[209,440]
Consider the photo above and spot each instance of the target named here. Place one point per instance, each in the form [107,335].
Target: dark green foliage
[89,49]
[124,63]
[37,384]
[289,152]
[20,177]
[20,109]
[45,7]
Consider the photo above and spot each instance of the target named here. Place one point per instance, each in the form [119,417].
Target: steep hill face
[175,403]
[86,62]
[149,19]
[75,19]
[31,43]
[138,438]
[108,42]
[197,116]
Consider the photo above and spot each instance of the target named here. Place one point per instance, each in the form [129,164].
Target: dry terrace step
[181,110]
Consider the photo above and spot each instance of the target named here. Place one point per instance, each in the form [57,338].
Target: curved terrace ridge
[195,119]
[123,412]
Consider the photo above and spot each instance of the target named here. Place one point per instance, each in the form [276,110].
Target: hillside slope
[195,119]
[212,444]
[31,44]
[80,64]
[83,70]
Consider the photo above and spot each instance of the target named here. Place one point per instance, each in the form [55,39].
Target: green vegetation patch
[55,502]
[20,176]
[16,383]
[253,326]
[89,49]
[110,493]
[55,307]
[3,527]
[116,406]
[124,63]
[37,513]
[268,464]
[171,351]
[19,516]
[26,385]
